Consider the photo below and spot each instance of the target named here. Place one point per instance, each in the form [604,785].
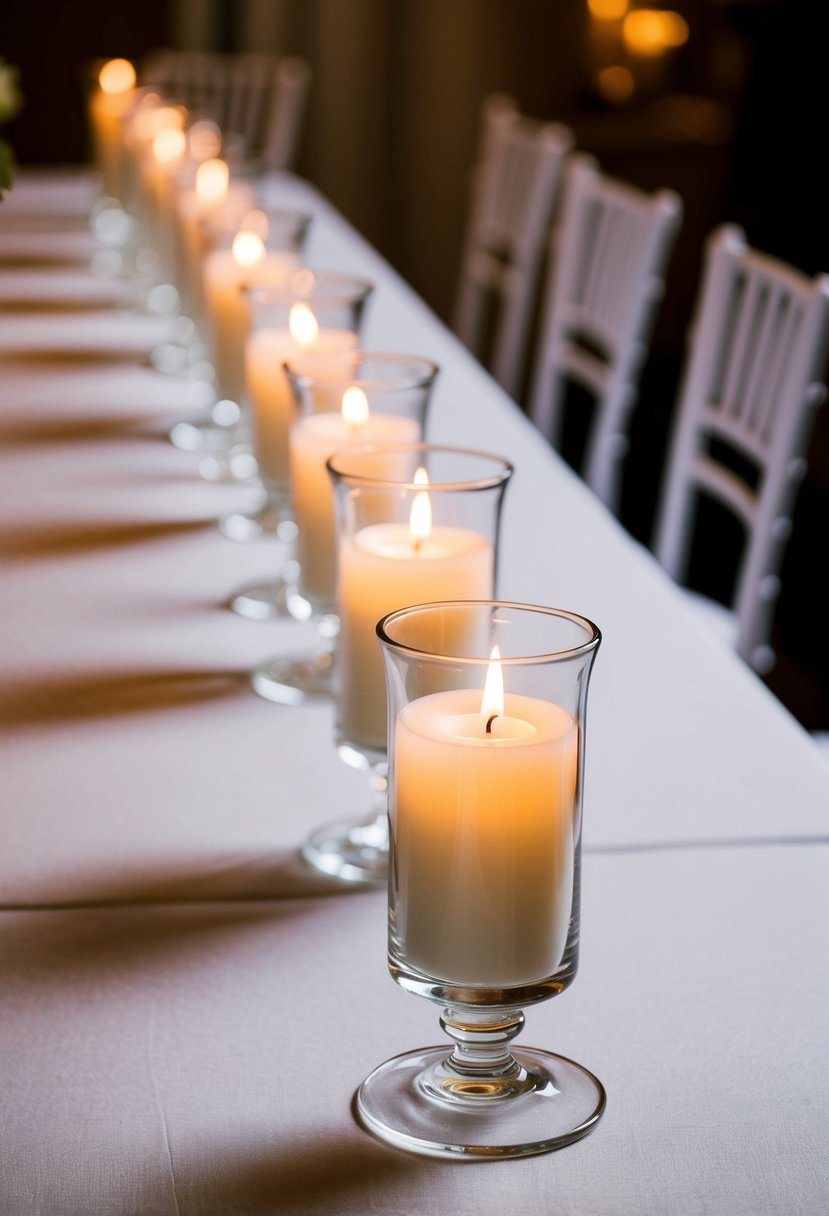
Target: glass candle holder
[111,92]
[414,521]
[239,245]
[213,194]
[264,246]
[143,123]
[486,736]
[339,401]
[317,313]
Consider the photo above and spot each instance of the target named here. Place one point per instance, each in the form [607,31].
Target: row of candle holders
[467,712]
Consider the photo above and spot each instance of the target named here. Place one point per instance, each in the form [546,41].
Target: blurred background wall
[733,118]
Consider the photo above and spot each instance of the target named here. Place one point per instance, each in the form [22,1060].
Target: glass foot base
[268,601]
[200,437]
[271,519]
[292,681]
[551,1103]
[353,853]
[237,463]
[216,432]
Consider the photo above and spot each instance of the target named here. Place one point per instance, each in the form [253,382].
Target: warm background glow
[651,31]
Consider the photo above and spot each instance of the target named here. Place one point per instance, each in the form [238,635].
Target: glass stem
[481,1042]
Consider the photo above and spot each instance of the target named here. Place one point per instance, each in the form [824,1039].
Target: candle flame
[168,145]
[303,326]
[420,519]
[355,406]
[117,76]
[492,702]
[212,179]
[248,249]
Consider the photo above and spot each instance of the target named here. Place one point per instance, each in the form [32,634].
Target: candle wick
[489,722]
[416,543]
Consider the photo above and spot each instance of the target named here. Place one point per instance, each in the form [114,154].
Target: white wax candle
[191,211]
[483,837]
[111,99]
[158,167]
[106,113]
[314,439]
[271,400]
[227,310]
[380,569]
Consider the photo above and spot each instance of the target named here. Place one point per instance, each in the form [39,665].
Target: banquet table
[186,1008]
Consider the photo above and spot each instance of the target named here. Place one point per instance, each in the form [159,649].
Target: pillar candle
[382,568]
[145,122]
[213,195]
[313,440]
[269,392]
[110,100]
[225,270]
[483,837]
[158,168]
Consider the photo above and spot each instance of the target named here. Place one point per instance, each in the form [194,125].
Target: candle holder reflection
[486,728]
[339,402]
[414,521]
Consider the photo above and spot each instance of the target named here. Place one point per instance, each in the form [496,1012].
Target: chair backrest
[261,97]
[514,188]
[606,276]
[754,375]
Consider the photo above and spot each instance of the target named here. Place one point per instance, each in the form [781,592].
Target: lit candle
[158,168]
[313,439]
[267,350]
[225,270]
[213,195]
[109,101]
[483,826]
[387,566]
[147,120]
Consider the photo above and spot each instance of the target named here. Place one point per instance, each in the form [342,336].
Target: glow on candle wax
[147,123]
[116,76]
[204,139]
[382,566]
[484,834]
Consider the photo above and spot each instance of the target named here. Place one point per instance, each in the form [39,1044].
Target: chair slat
[754,373]
[602,290]
[514,188]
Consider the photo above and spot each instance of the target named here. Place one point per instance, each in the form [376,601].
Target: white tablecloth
[185,1009]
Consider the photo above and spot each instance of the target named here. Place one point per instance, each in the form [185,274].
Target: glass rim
[226,223]
[389,483]
[553,656]
[309,284]
[330,371]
